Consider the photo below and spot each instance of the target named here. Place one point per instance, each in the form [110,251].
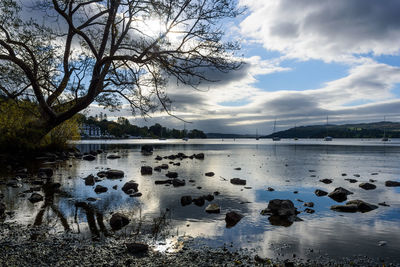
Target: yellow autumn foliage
[15,129]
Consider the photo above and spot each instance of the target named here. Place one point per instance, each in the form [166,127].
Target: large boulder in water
[282,212]
[339,194]
[129,187]
[118,221]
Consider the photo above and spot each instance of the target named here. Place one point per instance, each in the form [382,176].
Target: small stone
[118,221]
[213,208]
[100,189]
[113,157]
[89,157]
[232,218]
[35,197]
[308,204]
[270,189]
[310,211]
[320,193]
[392,183]
[114,174]
[172,174]
[146,170]
[186,200]
[367,186]
[326,181]
[238,181]
[382,243]
[135,248]
[209,174]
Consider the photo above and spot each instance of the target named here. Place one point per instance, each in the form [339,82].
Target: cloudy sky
[305,60]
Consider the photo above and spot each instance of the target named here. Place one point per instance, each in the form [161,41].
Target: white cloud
[328,30]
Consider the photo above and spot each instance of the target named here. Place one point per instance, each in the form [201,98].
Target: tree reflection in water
[92,215]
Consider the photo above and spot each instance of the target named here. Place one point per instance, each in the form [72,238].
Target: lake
[286,166]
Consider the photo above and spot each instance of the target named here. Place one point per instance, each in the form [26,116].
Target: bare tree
[108,51]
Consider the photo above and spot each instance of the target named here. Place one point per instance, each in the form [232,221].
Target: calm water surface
[286,166]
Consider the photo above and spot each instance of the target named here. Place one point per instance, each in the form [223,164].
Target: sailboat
[185,138]
[295,127]
[384,139]
[275,138]
[327,137]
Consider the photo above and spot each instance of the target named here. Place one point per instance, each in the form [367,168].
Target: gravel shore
[18,249]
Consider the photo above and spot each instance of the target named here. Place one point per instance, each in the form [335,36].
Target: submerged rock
[384,204]
[118,221]
[310,211]
[232,218]
[355,206]
[213,208]
[339,194]
[367,186]
[238,181]
[351,180]
[308,204]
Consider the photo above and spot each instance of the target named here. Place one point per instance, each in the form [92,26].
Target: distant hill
[361,130]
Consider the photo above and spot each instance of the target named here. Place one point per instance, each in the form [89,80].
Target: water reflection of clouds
[262,166]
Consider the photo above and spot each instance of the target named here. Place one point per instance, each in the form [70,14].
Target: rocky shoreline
[18,249]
